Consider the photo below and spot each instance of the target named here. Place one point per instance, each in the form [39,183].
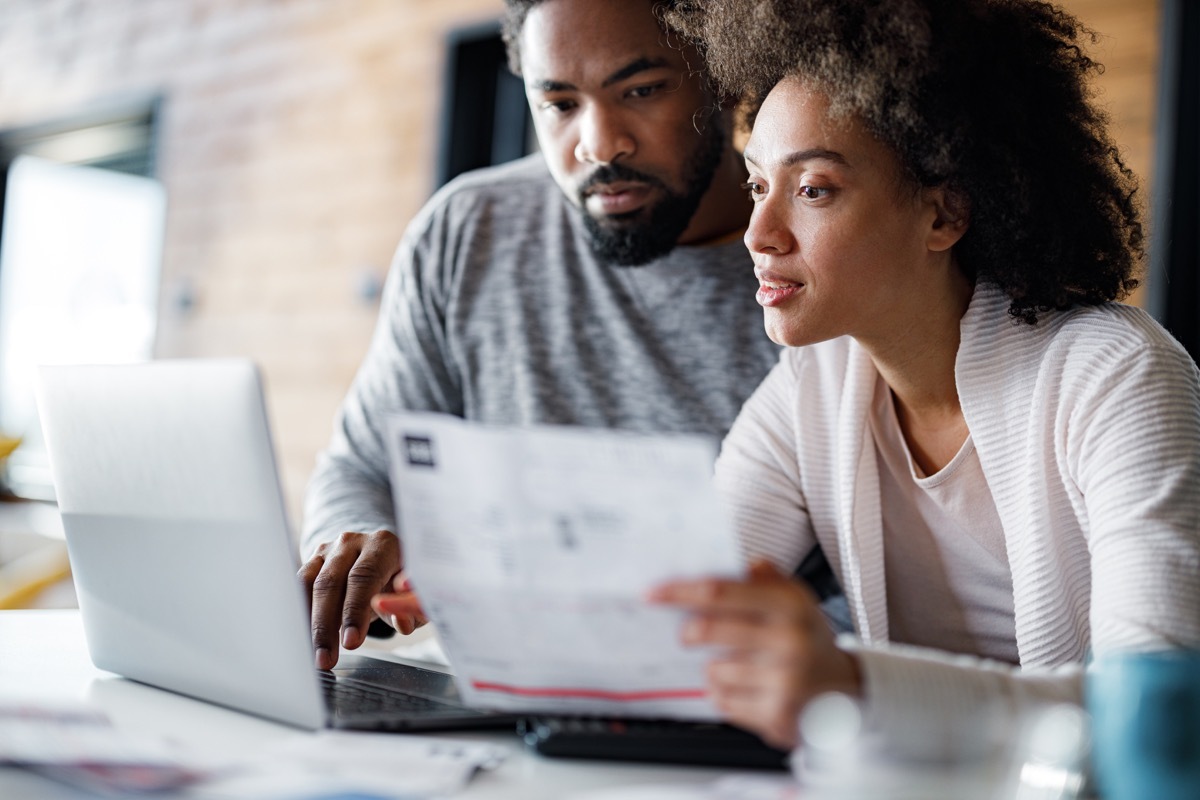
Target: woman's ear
[952,217]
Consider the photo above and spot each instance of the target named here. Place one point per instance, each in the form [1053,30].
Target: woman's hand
[779,652]
[400,607]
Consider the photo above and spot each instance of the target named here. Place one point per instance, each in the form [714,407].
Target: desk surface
[43,656]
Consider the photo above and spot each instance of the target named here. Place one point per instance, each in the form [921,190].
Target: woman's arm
[758,475]
[778,654]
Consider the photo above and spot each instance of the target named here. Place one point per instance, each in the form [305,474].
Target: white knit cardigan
[1087,426]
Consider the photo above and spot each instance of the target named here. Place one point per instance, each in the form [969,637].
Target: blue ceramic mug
[1145,711]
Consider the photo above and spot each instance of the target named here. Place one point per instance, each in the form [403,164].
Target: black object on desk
[669,741]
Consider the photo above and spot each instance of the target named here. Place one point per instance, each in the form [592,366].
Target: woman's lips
[617,198]
[772,291]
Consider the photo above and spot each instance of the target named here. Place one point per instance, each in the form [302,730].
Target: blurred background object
[1146,709]
[80,253]
[1174,279]
[7,445]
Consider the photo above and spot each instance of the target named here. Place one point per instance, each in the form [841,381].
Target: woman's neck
[917,363]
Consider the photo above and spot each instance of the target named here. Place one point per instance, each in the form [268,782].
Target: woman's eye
[813,192]
[755,189]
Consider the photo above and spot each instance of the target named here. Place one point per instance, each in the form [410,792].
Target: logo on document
[419,451]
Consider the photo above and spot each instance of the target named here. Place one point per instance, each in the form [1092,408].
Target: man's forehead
[585,41]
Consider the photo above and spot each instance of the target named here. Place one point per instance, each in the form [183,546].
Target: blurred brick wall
[297,139]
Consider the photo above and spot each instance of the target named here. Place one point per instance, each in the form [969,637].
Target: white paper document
[340,765]
[532,550]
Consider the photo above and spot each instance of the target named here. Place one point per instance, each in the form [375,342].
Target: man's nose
[603,138]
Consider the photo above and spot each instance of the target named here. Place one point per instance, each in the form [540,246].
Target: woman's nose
[767,231]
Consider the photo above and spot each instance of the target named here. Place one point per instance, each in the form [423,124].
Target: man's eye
[558,106]
[813,192]
[644,91]
[755,189]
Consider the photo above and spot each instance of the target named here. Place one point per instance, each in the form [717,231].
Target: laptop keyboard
[356,698]
[706,743]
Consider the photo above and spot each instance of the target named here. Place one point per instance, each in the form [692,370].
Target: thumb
[763,571]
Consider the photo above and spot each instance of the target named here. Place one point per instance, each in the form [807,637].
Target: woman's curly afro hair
[989,98]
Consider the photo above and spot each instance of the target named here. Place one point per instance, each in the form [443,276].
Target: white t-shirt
[948,581]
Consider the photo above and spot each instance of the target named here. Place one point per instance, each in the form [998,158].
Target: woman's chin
[786,332]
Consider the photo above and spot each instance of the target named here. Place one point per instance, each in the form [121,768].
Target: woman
[1001,463]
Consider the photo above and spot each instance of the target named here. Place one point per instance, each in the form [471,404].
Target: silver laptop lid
[178,538]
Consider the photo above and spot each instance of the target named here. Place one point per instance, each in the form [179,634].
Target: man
[601,283]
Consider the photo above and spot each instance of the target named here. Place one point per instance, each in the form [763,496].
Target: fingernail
[692,629]
[349,636]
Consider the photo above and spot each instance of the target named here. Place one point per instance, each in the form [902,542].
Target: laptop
[182,558]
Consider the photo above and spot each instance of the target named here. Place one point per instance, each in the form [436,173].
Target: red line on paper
[596,694]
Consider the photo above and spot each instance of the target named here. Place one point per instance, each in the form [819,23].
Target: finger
[750,674]
[766,701]
[762,570]
[402,611]
[308,573]
[716,595]
[702,591]
[403,603]
[762,712]
[328,596]
[371,572]
[756,637]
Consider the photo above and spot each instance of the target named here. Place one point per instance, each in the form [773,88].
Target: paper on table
[532,550]
[341,764]
[734,787]
[77,744]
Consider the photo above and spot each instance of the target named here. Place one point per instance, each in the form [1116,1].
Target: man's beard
[641,236]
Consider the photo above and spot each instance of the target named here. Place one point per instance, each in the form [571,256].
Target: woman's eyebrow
[798,156]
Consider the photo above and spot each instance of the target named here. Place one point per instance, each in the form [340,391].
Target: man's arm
[349,541]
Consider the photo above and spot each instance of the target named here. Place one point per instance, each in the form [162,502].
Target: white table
[43,656]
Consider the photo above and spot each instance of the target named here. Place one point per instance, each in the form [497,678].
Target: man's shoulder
[528,175]
[522,194]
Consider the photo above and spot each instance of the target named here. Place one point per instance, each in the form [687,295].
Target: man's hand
[341,578]
[777,651]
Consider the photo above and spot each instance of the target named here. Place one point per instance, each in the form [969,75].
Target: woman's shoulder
[1081,333]
[1118,323]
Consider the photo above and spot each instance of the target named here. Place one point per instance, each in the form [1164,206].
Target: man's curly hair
[988,98]
[515,12]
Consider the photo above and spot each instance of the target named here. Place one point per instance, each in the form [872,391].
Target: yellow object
[8,444]
[24,578]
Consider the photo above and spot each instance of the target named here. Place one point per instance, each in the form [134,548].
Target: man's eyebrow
[551,86]
[629,70]
[634,67]
[811,154]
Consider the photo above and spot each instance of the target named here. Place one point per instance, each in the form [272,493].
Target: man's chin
[639,236]
[628,245]
[623,222]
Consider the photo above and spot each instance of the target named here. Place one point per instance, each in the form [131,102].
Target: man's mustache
[613,173]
